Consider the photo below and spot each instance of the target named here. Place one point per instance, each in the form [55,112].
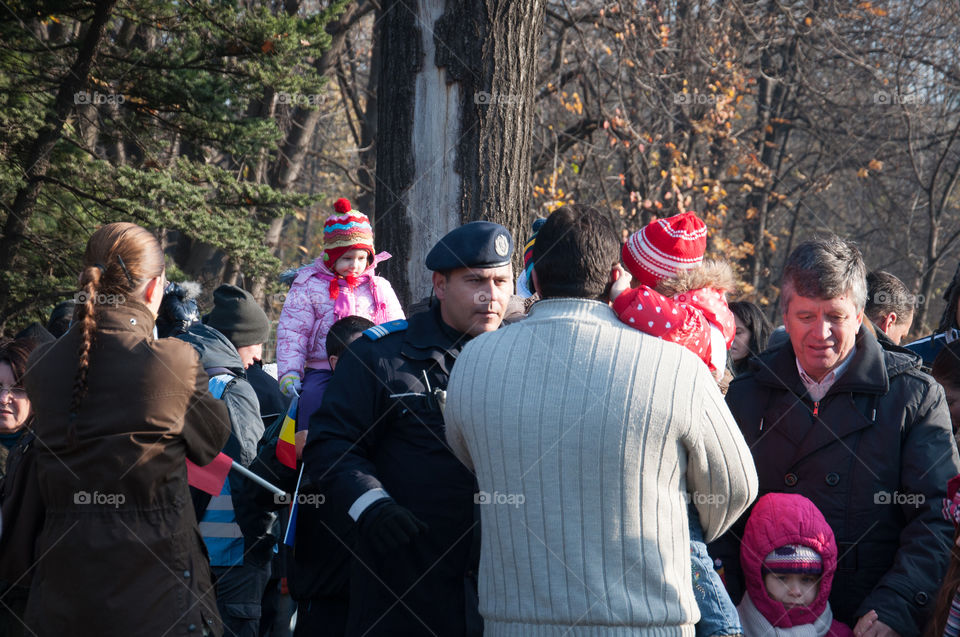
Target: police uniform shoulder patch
[379,331]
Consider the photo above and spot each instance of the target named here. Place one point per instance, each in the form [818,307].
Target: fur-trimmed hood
[711,273]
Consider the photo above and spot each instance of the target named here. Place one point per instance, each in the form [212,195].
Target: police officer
[377,449]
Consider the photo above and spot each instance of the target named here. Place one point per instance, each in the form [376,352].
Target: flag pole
[263,483]
[292,523]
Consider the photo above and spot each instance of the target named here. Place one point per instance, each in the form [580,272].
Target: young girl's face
[792,590]
[352,263]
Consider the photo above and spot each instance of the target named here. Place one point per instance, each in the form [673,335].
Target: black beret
[478,244]
[238,316]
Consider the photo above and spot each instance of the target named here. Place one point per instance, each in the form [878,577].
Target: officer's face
[473,300]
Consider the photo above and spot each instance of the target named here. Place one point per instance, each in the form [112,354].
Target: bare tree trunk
[455,124]
[37,161]
[366,174]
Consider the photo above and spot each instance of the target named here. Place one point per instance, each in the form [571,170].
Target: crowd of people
[602,445]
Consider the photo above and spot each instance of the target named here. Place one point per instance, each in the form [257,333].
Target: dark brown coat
[120,553]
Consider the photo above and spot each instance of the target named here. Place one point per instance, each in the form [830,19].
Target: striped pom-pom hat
[345,230]
[664,247]
[793,558]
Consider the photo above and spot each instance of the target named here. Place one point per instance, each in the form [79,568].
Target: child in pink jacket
[341,283]
[789,557]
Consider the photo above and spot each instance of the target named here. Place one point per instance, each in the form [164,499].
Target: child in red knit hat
[338,284]
[675,295]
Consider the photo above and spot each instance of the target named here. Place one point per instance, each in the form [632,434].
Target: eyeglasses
[18,393]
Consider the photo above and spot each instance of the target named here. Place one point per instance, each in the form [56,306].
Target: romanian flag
[286,446]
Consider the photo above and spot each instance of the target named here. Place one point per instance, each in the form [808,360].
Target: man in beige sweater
[588,438]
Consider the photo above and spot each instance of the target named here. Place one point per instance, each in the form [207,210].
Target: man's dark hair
[824,268]
[575,251]
[345,331]
[886,293]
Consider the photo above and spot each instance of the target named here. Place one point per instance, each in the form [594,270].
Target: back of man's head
[575,251]
[825,268]
[886,294]
[345,331]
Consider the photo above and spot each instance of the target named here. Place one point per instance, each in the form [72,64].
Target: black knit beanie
[237,316]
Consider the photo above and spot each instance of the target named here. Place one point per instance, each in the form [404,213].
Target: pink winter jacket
[779,519]
[308,312]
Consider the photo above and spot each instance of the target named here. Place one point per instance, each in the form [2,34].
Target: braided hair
[119,259]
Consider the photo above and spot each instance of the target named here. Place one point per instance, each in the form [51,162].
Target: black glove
[386,525]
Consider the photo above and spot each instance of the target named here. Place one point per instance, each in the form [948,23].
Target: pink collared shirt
[818,390]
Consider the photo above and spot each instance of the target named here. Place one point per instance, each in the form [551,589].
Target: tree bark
[37,161]
[455,125]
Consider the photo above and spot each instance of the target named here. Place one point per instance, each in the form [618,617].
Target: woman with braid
[116,414]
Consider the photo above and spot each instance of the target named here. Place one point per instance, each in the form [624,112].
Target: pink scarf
[345,303]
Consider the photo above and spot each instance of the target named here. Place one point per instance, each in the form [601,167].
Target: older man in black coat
[859,430]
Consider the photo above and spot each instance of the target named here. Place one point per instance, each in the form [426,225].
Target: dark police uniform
[380,433]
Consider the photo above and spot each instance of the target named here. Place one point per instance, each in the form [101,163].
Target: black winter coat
[380,426]
[874,455]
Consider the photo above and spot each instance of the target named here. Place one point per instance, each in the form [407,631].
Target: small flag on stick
[210,477]
[286,443]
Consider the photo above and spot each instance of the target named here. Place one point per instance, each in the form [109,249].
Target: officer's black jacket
[380,425]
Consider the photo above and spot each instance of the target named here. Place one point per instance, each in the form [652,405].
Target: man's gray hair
[825,268]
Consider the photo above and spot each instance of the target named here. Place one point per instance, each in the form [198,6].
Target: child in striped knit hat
[338,284]
[674,294]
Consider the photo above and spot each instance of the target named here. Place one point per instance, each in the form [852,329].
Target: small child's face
[352,263]
[792,590]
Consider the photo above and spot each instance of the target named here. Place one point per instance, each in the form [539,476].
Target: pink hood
[779,519]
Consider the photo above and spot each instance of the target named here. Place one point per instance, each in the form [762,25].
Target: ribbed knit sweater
[585,436]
